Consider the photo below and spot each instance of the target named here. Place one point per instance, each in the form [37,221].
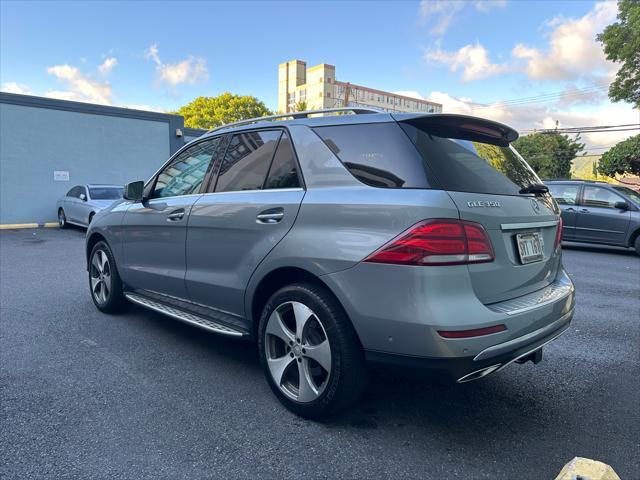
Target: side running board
[183,316]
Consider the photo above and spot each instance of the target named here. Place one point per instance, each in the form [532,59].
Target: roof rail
[294,115]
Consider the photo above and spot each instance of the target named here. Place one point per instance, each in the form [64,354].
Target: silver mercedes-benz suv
[336,239]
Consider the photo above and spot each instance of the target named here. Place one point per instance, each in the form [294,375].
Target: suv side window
[564,193]
[284,169]
[185,174]
[599,197]
[247,161]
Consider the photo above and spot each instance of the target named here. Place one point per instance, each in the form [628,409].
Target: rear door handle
[175,215]
[570,209]
[584,210]
[273,215]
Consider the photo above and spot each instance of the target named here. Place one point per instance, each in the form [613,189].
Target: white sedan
[82,202]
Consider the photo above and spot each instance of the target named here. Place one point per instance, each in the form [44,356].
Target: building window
[320,94]
[328,94]
[328,79]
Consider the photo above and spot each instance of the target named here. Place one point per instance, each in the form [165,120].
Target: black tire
[114,301]
[636,245]
[62,219]
[347,377]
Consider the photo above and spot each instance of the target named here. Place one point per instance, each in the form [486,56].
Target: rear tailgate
[506,219]
[471,159]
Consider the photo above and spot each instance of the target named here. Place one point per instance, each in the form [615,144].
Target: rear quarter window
[377,154]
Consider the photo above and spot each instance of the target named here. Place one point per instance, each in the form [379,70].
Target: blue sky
[161,55]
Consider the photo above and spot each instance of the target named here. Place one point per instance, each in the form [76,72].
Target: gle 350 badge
[480,203]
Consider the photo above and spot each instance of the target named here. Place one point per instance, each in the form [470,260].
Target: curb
[587,469]
[15,226]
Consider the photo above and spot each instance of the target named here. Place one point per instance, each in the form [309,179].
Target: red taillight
[437,242]
[477,332]
[559,234]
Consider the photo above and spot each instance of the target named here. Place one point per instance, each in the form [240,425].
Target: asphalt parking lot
[86,395]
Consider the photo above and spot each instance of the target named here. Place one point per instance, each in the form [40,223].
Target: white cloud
[14,87]
[108,65]
[440,13]
[191,70]
[544,115]
[139,106]
[81,87]
[572,51]
[486,5]
[152,54]
[473,60]
[410,93]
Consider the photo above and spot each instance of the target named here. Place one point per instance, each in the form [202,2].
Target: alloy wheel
[100,276]
[61,218]
[298,352]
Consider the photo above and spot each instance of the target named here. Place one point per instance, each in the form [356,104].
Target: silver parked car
[407,239]
[82,202]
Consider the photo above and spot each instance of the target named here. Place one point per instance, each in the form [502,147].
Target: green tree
[301,106]
[622,158]
[549,154]
[210,112]
[621,42]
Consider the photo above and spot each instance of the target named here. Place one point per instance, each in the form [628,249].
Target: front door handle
[570,209]
[273,215]
[175,215]
[584,210]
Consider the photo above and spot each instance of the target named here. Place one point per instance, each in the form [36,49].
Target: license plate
[530,247]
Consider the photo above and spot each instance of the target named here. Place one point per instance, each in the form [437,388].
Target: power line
[591,129]
[545,97]
[600,126]
[595,131]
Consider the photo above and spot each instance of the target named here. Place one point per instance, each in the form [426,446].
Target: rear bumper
[397,312]
[491,360]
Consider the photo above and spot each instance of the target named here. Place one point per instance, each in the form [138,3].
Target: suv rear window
[396,155]
[472,166]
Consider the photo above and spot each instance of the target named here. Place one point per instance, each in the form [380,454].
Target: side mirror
[621,205]
[83,197]
[134,191]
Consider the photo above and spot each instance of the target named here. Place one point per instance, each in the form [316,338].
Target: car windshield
[105,193]
[632,194]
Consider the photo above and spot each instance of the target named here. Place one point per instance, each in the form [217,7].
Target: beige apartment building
[318,88]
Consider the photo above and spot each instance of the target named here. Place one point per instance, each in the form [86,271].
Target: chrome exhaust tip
[483,372]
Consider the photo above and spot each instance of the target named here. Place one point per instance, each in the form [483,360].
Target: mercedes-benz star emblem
[535,206]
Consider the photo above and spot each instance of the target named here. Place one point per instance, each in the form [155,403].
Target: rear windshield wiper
[535,188]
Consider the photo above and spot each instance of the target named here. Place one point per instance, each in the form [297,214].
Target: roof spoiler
[464,127]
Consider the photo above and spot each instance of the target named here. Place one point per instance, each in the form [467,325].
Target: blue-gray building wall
[94,144]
